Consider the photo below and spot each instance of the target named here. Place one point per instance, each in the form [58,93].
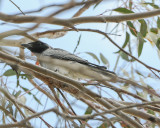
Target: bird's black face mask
[36,47]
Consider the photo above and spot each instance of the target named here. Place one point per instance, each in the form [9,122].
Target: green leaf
[123,10]
[25,76]
[10,72]
[151,112]
[104,125]
[88,111]
[15,113]
[9,106]
[139,73]
[152,4]
[130,4]
[97,4]
[154,30]
[17,80]
[158,22]
[140,43]
[126,41]
[77,44]
[143,28]
[17,94]
[132,28]
[150,87]
[93,56]
[26,90]
[104,59]
[158,43]
[124,56]
[37,99]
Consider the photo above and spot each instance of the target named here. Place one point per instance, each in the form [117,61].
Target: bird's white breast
[70,69]
[68,64]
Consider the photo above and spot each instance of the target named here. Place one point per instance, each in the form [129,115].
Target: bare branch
[73,21]
[17,7]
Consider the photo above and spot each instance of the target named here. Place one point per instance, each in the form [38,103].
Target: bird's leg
[37,62]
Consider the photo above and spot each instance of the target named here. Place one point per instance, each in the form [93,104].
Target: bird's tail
[112,77]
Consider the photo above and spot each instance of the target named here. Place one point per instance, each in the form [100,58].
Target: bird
[68,64]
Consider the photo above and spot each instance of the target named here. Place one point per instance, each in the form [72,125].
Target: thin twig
[17,7]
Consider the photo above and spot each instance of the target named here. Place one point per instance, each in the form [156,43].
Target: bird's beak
[25,45]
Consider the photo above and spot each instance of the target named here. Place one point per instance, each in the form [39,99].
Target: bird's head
[36,47]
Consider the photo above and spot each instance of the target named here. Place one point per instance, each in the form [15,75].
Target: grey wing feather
[65,55]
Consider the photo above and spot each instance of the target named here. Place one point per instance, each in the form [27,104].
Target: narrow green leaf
[104,59]
[97,4]
[152,4]
[123,10]
[125,42]
[26,90]
[158,43]
[143,28]
[10,105]
[132,28]
[17,81]
[154,30]
[130,4]
[158,22]
[37,99]
[150,87]
[25,76]
[17,94]
[77,44]
[140,43]
[93,56]
[124,56]
[88,111]
[139,73]
[9,72]
[15,113]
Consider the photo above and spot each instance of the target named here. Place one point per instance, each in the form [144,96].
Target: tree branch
[79,20]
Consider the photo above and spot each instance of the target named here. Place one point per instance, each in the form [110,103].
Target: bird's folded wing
[61,54]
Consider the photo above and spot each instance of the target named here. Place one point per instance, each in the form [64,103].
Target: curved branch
[79,20]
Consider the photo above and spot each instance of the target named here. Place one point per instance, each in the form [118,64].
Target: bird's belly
[70,69]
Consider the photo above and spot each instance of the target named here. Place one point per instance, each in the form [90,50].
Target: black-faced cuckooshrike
[68,64]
